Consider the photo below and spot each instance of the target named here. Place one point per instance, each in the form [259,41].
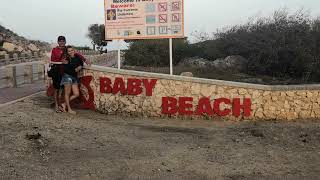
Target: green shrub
[283,45]
[155,52]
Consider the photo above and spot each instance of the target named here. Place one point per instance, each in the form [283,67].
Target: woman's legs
[75,92]
[67,91]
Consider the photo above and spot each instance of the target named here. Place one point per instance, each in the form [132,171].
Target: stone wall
[268,102]
[107,59]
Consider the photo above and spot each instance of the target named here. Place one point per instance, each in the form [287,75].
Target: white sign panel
[144,19]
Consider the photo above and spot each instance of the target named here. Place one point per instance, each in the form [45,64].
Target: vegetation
[96,32]
[155,52]
[82,48]
[282,46]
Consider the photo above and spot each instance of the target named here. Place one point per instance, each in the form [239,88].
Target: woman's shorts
[69,80]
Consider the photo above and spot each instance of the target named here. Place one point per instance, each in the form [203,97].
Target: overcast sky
[46,19]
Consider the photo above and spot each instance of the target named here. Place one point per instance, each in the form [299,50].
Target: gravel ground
[37,143]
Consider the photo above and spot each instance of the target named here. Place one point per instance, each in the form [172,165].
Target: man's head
[62,41]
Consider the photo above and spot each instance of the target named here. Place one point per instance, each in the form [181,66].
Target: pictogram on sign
[163,18]
[175,6]
[163,30]
[176,17]
[111,14]
[151,30]
[162,7]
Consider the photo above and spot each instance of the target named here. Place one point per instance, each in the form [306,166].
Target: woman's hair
[68,47]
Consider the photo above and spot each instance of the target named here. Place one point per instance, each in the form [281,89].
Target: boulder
[2,53]
[19,49]
[9,47]
[231,63]
[1,39]
[33,47]
[195,62]
[187,74]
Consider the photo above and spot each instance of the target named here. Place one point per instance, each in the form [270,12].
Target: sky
[46,19]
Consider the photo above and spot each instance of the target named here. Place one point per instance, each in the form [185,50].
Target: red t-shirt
[57,55]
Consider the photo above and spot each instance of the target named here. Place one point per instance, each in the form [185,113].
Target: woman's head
[70,51]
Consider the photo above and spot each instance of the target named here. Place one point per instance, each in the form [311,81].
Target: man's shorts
[69,80]
[56,78]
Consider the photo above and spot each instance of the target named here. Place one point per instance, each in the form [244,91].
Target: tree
[96,32]
[155,52]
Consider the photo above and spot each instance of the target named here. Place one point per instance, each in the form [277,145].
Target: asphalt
[11,94]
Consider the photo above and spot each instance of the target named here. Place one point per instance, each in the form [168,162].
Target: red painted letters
[169,105]
[246,107]
[204,107]
[184,106]
[217,109]
[149,85]
[134,86]
[105,85]
[181,105]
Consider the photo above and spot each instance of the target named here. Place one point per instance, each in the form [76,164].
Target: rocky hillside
[11,42]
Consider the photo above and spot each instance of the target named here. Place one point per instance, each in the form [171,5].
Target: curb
[20,99]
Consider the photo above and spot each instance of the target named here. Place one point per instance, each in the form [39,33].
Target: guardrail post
[41,72]
[28,73]
[15,58]
[12,76]
[23,57]
[6,59]
[29,56]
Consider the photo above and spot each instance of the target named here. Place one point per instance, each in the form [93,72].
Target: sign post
[171,59]
[144,19]
[119,55]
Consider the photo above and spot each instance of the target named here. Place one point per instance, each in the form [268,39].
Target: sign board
[144,19]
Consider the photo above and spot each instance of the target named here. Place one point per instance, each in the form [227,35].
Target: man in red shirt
[58,57]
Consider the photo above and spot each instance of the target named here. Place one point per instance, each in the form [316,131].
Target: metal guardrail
[18,60]
[23,73]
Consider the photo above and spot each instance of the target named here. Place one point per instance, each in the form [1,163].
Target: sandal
[58,110]
[72,112]
[63,108]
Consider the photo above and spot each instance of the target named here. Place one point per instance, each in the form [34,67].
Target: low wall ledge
[204,81]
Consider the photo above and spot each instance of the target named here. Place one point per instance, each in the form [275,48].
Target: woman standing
[70,79]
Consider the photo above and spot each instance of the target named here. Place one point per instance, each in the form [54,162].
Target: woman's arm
[78,68]
[52,62]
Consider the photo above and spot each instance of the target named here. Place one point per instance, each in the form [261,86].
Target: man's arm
[83,58]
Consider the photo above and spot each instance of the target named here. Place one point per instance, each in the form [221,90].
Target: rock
[33,136]
[1,39]
[231,63]
[187,74]
[195,62]
[2,53]
[33,47]
[19,49]
[9,47]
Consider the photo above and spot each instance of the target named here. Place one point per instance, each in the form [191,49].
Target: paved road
[11,94]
